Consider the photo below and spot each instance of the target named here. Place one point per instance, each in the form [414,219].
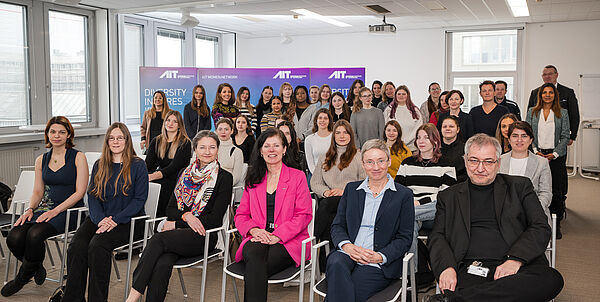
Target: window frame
[38,63]
[451,75]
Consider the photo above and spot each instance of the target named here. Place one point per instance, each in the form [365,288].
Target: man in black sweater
[566,96]
[490,234]
[500,97]
[486,116]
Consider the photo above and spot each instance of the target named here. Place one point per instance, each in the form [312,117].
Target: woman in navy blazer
[273,215]
[541,117]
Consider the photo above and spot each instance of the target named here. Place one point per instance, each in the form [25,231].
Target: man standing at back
[486,116]
[500,97]
[566,96]
[490,235]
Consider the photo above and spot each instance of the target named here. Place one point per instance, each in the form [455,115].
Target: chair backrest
[311,225]
[152,201]
[92,157]
[24,186]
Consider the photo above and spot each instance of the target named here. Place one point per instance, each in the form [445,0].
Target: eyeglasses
[522,136]
[372,163]
[118,138]
[487,163]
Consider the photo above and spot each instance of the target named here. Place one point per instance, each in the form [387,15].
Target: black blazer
[568,101]
[393,231]
[520,217]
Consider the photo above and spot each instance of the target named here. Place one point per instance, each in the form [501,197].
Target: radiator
[11,161]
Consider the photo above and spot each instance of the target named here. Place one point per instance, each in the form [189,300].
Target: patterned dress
[221,110]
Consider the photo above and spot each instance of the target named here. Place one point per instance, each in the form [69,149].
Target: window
[476,56]
[68,66]
[169,43]
[206,51]
[14,78]
[133,58]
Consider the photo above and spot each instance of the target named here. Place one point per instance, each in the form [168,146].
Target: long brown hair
[60,120]
[398,144]
[431,106]
[319,99]
[332,153]
[162,141]
[499,136]
[104,169]
[383,96]
[241,104]
[540,104]
[218,99]
[203,108]
[358,104]
[165,108]
[409,103]
[434,138]
[345,107]
[315,124]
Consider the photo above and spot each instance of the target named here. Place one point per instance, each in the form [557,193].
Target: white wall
[386,57]
[573,48]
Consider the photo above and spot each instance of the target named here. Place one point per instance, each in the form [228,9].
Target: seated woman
[231,158]
[117,192]
[167,155]
[296,154]
[523,162]
[435,116]
[398,149]
[61,176]
[502,130]
[243,137]
[269,119]
[317,144]
[198,203]
[426,173]
[339,166]
[453,148]
[273,214]
[455,99]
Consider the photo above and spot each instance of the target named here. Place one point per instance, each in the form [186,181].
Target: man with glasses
[372,230]
[490,234]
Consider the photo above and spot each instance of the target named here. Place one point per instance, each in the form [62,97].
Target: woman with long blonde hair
[117,192]
[168,153]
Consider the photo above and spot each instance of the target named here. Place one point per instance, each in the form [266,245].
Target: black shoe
[436,298]
[40,275]
[558,233]
[123,255]
[12,287]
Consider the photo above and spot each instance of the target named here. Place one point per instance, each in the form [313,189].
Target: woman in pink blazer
[273,215]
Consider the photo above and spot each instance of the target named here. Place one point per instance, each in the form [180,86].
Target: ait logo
[338,74]
[283,74]
[169,74]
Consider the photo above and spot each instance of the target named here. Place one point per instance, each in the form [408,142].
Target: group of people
[380,169]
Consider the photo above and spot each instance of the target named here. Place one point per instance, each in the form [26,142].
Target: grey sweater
[367,124]
[322,180]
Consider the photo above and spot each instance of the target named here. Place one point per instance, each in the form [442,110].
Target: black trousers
[91,251]
[324,216]
[27,240]
[534,282]
[167,185]
[262,261]
[163,250]
[560,181]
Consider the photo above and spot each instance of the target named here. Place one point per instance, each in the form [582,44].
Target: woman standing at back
[153,118]
[196,114]
[264,106]
[403,110]
[224,104]
[242,102]
[367,121]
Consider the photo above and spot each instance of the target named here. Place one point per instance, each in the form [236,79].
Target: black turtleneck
[486,241]
[454,152]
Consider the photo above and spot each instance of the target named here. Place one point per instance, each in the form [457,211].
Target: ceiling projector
[384,28]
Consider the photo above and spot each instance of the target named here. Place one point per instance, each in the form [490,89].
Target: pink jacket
[293,212]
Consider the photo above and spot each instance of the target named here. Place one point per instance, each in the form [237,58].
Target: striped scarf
[195,186]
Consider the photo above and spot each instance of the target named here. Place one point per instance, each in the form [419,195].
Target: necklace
[375,194]
[426,162]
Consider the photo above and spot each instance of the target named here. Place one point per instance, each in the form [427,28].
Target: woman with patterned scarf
[198,203]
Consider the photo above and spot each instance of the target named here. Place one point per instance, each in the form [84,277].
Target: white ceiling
[268,18]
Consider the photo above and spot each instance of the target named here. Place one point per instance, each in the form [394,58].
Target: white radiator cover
[11,161]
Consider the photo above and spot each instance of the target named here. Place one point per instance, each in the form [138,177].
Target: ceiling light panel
[518,8]
[320,17]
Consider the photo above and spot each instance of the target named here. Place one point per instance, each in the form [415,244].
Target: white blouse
[546,131]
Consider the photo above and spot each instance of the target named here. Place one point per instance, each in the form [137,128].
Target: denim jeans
[424,215]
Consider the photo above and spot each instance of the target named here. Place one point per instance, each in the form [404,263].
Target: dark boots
[26,272]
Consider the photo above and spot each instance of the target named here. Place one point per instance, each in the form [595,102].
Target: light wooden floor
[578,259]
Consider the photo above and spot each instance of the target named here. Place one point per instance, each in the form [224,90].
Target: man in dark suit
[566,96]
[490,234]
[372,230]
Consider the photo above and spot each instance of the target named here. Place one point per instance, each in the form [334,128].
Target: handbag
[57,295]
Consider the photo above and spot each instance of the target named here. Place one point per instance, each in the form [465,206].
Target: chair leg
[2,252]
[182,282]
[235,290]
[50,255]
[112,256]
[59,252]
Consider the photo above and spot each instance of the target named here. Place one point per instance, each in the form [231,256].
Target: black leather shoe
[436,298]
[40,275]
[12,287]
